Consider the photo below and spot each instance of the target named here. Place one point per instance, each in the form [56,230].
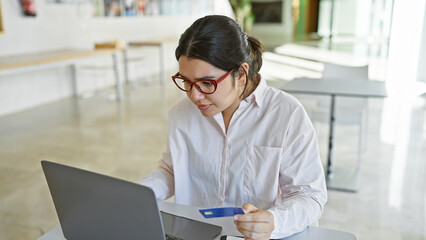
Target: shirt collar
[258,94]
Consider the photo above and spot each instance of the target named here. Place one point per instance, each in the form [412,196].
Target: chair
[349,111]
[332,70]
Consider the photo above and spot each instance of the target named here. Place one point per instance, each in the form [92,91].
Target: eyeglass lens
[204,86]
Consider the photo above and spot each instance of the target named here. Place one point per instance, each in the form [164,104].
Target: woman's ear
[243,74]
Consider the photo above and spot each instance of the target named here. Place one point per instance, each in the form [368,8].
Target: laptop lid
[94,206]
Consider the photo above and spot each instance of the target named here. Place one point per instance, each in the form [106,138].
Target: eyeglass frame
[215,82]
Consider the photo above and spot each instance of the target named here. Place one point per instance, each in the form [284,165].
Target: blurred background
[66,107]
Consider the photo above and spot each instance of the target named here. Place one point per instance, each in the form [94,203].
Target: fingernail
[235,217]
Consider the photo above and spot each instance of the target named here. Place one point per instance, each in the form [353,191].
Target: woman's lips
[203,107]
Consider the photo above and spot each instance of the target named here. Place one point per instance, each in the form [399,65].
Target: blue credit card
[221,212]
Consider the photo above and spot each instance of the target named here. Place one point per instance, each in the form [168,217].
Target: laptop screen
[186,228]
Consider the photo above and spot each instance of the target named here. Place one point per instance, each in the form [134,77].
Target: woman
[235,141]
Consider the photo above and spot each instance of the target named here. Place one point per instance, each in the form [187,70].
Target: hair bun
[256,50]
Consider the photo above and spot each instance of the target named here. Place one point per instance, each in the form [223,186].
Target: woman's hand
[255,224]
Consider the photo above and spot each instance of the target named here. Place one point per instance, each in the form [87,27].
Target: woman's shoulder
[279,98]
[282,105]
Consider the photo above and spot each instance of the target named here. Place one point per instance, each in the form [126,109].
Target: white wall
[359,18]
[421,71]
[275,34]
[59,26]
[344,17]
[405,46]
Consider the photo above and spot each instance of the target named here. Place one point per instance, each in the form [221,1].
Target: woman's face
[226,97]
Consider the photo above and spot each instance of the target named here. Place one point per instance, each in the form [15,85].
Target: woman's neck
[251,86]
[227,115]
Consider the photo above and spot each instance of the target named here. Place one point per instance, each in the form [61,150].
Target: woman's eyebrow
[201,78]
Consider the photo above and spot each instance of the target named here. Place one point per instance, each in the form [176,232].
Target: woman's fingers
[255,224]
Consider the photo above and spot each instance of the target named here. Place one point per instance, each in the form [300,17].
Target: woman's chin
[208,113]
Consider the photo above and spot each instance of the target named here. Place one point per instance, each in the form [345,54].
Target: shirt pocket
[261,174]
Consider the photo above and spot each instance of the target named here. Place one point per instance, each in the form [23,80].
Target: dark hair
[220,41]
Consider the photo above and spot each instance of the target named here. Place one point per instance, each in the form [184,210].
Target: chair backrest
[332,70]
[336,71]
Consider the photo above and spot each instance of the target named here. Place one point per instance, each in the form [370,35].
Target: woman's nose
[195,95]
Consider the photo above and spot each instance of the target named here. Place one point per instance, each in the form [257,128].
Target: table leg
[161,57]
[74,80]
[126,66]
[118,87]
[341,179]
[330,139]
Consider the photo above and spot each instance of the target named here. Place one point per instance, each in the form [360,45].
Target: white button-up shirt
[269,157]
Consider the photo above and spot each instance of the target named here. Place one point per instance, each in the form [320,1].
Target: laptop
[94,206]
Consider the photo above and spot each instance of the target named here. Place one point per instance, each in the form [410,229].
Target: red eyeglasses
[206,86]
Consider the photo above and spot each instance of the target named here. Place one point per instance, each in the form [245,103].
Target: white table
[337,87]
[51,59]
[310,233]
[148,43]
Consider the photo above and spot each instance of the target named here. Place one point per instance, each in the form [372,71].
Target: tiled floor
[126,140]
[120,139]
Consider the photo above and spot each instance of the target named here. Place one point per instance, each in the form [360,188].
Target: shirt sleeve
[161,180]
[303,192]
